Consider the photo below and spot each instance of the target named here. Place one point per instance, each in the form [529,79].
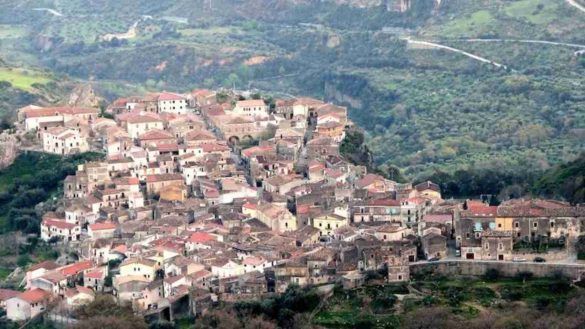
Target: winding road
[455,50]
[577,5]
[544,42]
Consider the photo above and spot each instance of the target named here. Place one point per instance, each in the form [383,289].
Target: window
[499,225]
[535,224]
[552,224]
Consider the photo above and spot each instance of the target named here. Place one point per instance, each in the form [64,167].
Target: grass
[4,272]
[23,79]
[11,31]
[539,12]
[189,32]
[478,22]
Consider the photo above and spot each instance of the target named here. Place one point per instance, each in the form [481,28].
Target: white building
[171,103]
[27,304]
[61,140]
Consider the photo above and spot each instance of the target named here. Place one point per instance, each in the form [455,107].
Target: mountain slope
[423,109]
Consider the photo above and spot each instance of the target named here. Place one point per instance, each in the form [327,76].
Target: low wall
[508,269]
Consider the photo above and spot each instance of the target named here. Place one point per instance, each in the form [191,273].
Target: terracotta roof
[163,178]
[76,268]
[201,237]
[142,118]
[250,103]
[428,185]
[437,218]
[96,274]
[384,203]
[34,296]
[155,134]
[61,224]
[368,180]
[103,226]
[47,265]
[6,294]
[166,96]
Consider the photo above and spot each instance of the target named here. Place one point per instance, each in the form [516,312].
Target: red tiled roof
[166,96]
[163,178]
[6,294]
[58,224]
[76,268]
[97,274]
[384,202]
[142,118]
[34,296]
[251,103]
[103,226]
[155,134]
[48,265]
[201,237]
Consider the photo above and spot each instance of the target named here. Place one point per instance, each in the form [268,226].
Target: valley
[360,54]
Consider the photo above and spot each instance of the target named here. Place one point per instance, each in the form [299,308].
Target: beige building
[138,124]
[251,107]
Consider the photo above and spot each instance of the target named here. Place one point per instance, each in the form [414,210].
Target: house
[63,141]
[251,107]
[278,218]
[391,232]
[139,267]
[103,230]
[38,270]
[155,137]
[171,103]
[375,184]
[429,190]
[434,244]
[5,295]
[227,268]
[35,117]
[27,305]
[327,224]
[95,279]
[155,183]
[52,227]
[53,282]
[139,123]
[78,296]
[378,210]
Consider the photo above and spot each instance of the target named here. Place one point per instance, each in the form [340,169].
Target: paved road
[576,5]
[453,259]
[459,51]
[544,42]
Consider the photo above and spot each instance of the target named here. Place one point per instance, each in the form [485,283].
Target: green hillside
[424,110]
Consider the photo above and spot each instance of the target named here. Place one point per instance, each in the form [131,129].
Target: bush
[23,260]
[525,275]
[512,293]
[492,274]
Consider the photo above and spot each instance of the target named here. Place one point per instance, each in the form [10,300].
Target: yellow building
[139,266]
[329,223]
[504,224]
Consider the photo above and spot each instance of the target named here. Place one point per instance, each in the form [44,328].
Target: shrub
[492,274]
[525,275]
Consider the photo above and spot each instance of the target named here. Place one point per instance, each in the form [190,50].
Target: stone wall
[509,269]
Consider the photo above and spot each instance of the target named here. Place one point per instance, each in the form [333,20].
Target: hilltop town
[211,196]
